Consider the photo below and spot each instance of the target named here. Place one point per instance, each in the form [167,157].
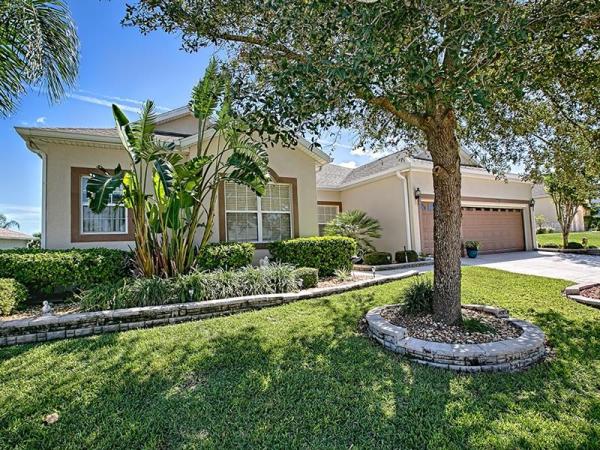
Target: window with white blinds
[250,218]
[325,214]
[113,220]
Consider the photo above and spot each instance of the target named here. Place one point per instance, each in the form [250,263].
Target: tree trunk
[565,236]
[443,147]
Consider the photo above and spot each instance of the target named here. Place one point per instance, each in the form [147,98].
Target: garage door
[497,229]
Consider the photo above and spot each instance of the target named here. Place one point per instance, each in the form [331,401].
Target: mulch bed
[334,281]
[36,311]
[592,292]
[424,327]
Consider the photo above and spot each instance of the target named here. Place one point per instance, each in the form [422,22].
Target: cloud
[125,100]
[373,153]
[29,217]
[102,102]
[348,164]
[40,120]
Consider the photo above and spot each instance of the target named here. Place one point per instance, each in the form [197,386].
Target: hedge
[326,253]
[308,276]
[406,256]
[377,258]
[229,255]
[12,294]
[574,245]
[549,245]
[198,286]
[52,271]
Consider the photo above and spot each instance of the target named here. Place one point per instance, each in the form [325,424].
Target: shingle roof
[14,235]
[111,132]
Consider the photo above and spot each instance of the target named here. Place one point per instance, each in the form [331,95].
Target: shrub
[12,294]
[472,245]
[377,258]
[541,231]
[51,271]
[326,253]
[343,274]
[198,286]
[418,297]
[357,225]
[549,245]
[406,256]
[574,245]
[308,276]
[228,256]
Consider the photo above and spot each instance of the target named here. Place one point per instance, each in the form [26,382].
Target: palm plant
[7,224]
[183,193]
[38,46]
[357,225]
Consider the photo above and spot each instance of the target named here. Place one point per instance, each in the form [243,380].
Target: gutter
[407,215]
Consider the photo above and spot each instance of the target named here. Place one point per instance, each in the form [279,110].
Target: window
[113,220]
[250,218]
[325,214]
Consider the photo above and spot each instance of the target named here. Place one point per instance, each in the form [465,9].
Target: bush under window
[228,256]
[326,253]
[52,271]
[12,294]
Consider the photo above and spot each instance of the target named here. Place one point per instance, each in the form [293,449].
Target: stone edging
[396,266]
[576,251]
[501,356]
[47,328]
[572,292]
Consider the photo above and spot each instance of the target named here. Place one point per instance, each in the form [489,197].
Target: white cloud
[120,99]
[102,102]
[373,153]
[348,164]
[40,120]
[28,217]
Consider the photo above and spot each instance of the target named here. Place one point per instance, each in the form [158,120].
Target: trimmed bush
[199,286]
[406,256]
[549,245]
[227,256]
[377,258]
[574,245]
[48,272]
[418,297]
[325,253]
[308,276]
[12,294]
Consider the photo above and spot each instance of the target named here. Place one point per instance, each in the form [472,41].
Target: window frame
[259,213]
[326,203]
[109,205]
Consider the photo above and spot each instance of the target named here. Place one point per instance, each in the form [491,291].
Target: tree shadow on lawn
[296,376]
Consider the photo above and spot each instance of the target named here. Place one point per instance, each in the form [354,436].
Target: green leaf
[101,186]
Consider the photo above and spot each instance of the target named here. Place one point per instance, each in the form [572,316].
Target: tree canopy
[412,71]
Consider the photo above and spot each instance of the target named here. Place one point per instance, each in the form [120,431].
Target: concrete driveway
[566,266]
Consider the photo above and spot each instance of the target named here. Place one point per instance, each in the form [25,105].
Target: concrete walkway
[566,266]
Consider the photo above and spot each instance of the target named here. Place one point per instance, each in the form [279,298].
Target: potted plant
[472,248]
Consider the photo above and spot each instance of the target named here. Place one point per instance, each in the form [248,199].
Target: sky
[117,65]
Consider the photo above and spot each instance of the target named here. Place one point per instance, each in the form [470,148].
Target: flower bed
[586,294]
[507,355]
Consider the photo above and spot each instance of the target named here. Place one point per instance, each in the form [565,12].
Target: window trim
[295,222]
[327,203]
[88,233]
[77,173]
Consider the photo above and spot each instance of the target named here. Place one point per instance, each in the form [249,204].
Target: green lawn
[301,376]
[593,237]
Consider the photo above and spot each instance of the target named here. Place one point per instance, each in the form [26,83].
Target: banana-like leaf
[101,186]
[172,213]
[206,94]
[125,133]
[164,170]
[129,186]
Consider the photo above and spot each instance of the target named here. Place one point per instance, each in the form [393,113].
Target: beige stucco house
[69,155]
[306,192]
[10,239]
[398,191]
[544,208]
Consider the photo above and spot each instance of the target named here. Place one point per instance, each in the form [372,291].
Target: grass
[476,326]
[301,376]
[556,238]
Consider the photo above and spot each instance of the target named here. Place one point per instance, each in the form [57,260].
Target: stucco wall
[545,206]
[6,244]
[384,200]
[62,157]
[329,196]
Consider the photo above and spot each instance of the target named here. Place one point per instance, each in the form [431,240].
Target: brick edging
[501,356]
[47,328]
[572,292]
[396,266]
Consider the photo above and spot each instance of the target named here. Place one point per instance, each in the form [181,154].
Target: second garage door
[496,229]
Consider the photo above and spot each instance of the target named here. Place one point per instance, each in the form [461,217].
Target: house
[10,239]
[398,191]
[306,192]
[544,206]
[288,208]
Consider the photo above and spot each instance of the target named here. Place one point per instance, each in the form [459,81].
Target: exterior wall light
[532,202]
[417,193]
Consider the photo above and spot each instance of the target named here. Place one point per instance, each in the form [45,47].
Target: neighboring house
[544,206]
[398,191]
[13,239]
[69,155]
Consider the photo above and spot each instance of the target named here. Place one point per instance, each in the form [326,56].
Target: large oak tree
[415,70]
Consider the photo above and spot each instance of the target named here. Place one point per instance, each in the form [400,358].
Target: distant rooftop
[14,235]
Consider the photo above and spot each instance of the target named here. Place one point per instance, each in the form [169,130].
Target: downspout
[44,159]
[407,215]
